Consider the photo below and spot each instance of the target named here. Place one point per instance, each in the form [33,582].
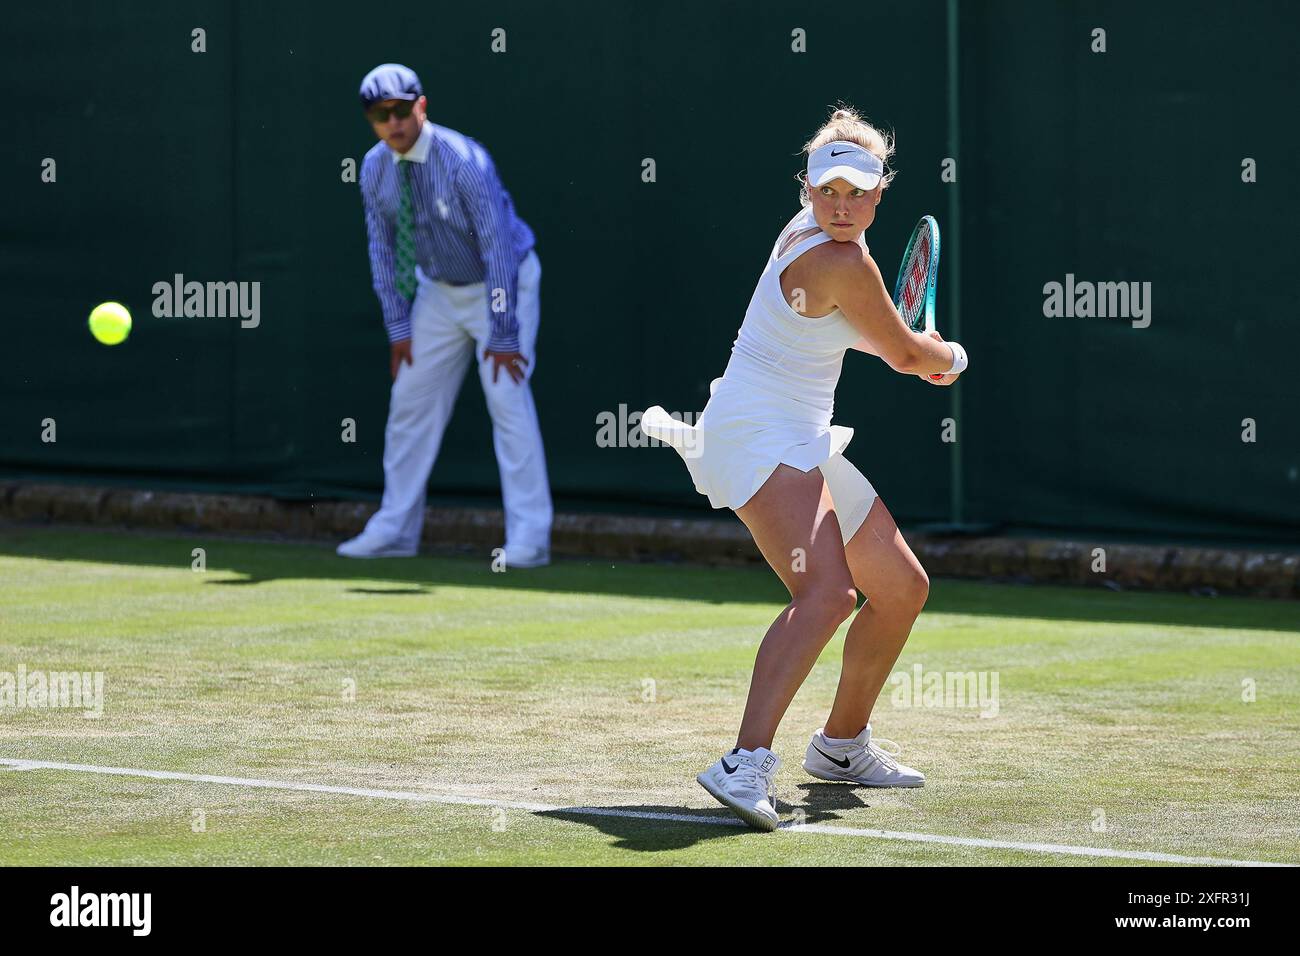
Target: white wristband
[959,361]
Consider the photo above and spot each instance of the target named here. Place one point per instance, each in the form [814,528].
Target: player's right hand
[399,352]
[939,379]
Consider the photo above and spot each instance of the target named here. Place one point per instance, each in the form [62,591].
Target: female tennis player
[765,447]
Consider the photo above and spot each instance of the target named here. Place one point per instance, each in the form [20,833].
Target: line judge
[457,277]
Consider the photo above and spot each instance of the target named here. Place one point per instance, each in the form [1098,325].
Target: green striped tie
[404,253]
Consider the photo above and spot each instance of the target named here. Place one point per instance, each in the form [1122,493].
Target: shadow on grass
[388,590]
[261,562]
[636,832]
[645,828]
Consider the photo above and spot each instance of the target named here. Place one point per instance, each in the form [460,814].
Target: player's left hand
[513,362]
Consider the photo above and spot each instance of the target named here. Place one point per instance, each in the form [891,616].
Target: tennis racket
[917,275]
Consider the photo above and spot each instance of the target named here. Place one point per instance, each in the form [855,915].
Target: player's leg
[793,522]
[795,527]
[896,586]
[517,432]
[420,405]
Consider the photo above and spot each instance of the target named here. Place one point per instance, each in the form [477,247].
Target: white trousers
[449,328]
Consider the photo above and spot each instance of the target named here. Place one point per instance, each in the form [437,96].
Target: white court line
[819,828]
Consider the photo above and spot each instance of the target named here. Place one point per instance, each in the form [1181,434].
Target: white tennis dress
[773,403]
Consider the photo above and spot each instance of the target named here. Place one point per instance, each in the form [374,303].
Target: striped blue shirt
[466,229]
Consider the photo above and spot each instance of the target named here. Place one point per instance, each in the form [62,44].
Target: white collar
[418,152]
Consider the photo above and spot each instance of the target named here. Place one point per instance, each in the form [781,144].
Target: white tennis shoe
[370,546]
[513,556]
[743,781]
[861,761]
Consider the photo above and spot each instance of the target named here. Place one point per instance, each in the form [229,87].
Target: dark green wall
[226,165]
[1127,166]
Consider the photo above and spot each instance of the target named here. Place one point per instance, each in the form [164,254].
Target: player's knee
[837,601]
[903,597]
[848,602]
[916,591]
[829,601]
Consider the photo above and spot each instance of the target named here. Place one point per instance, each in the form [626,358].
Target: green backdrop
[226,165]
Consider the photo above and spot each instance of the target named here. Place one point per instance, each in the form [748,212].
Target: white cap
[848,161]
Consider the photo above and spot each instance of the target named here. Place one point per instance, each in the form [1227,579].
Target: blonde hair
[845,125]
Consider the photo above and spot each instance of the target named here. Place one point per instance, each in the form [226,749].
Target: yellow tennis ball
[110,323]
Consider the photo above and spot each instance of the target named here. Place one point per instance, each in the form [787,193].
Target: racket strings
[914,286]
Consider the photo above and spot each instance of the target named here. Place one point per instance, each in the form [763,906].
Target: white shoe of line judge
[371,546]
[367,545]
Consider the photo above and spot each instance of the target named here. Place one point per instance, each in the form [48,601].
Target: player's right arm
[854,283]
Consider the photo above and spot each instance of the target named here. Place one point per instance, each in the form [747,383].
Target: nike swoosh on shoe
[842,764]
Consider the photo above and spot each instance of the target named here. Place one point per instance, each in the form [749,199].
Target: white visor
[848,161]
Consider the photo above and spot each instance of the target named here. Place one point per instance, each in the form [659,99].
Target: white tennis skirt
[744,433]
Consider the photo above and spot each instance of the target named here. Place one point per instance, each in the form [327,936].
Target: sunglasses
[380,114]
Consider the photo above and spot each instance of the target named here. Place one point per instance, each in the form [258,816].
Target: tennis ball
[110,322]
